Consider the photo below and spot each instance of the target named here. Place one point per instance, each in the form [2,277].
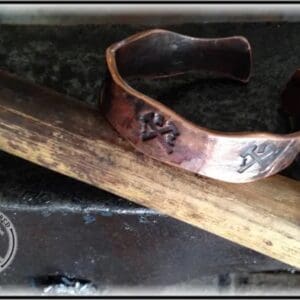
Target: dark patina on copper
[159,132]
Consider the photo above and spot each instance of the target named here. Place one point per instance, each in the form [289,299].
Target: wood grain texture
[72,138]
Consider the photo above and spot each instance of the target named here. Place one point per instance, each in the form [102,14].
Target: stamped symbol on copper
[263,155]
[153,125]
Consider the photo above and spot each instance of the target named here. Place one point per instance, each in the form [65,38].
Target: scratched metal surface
[81,231]
[131,249]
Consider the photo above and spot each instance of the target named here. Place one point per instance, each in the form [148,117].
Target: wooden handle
[72,138]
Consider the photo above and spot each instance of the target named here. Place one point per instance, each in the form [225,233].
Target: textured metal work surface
[66,227]
[77,67]
[120,250]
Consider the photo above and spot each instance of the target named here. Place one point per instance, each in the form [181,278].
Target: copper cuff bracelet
[155,130]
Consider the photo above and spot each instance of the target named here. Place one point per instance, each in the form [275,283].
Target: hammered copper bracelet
[155,130]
